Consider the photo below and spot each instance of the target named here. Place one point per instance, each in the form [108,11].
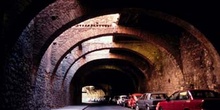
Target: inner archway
[121,76]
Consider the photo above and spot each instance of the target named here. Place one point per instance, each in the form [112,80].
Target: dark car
[193,99]
[148,101]
[114,99]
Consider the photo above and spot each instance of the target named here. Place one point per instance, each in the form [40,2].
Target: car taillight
[158,105]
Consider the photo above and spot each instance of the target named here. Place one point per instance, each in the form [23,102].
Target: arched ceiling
[161,30]
[51,37]
[121,75]
[202,15]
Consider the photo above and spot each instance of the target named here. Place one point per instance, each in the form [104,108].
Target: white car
[121,99]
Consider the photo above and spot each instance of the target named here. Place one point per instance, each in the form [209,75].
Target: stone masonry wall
[197,63]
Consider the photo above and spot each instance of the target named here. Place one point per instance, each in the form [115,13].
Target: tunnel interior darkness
[120,82]
[120,75]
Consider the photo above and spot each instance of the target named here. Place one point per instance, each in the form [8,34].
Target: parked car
[148,101]
[121,99]
[131,102]
[191,100]
[124,102]
[114,99]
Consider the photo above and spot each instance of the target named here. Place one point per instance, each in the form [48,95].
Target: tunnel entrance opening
[94,94]
[112,76]
[120,82]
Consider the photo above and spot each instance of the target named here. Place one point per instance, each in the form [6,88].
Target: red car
[131,102]
[194,99]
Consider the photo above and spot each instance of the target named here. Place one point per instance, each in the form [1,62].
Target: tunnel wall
[167,78]
[198,65]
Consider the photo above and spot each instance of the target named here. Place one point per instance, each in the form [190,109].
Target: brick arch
[144,67]
[105,46]
[95,32]
[75,53]
[186,26]
[52,26]
[72,63]
[78,11]
[43,28]
[68,44]
[81,63]
[136,77]
[55,19]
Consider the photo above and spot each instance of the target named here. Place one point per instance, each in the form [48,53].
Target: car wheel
[124,104]
[147,108]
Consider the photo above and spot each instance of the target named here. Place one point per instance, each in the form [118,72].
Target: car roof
[155,93]
[137,94]
[122,95]
[196,90]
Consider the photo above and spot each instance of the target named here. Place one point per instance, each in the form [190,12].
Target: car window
[146,96]
[183,95]
[174,96]
[153,96]
[203,94]
[164,96]
[143,96]
[210,95]
[158,96]
[137,96]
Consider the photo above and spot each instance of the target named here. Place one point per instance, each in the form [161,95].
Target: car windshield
[200,94]
[136,97]
[159,96]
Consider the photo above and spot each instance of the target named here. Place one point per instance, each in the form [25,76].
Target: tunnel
[121,76]
[53,50]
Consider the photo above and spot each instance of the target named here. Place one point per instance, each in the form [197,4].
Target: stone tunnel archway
[43,35]
[141,66]
[97,31]
[121,75]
